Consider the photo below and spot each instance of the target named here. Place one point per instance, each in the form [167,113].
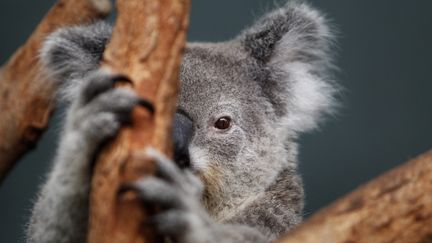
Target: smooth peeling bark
[26,92]
[147,45]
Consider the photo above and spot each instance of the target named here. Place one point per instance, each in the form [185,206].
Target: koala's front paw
[100,109]
[177,192]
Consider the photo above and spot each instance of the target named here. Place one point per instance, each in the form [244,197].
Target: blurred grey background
[385,60]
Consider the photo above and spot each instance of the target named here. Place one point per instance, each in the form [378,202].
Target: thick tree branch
[395,207]
[146,46]
[26,93]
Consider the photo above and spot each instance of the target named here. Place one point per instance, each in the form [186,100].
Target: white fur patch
[311,98]
[199,158]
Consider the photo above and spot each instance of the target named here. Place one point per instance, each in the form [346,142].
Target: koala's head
[249,98]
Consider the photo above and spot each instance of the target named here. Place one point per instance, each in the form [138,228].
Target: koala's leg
[61,212]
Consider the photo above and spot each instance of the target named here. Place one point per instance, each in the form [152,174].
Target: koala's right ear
[70,53]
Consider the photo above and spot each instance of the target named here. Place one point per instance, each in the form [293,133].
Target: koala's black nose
[182,134]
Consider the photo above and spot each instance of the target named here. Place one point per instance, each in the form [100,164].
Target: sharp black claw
[142,102]
[147,104]
[121,79]
[128,187]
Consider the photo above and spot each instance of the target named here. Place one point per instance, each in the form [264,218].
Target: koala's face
[224,102]
[234,124]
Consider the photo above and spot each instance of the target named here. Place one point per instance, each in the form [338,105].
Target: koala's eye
[223,123]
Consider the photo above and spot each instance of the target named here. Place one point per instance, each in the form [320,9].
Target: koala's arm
[61,210]
[60,213]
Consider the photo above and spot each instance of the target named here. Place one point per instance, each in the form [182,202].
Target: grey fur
[273,80]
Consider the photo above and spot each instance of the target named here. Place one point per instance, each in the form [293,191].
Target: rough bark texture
[395,207]
[146,46]
[26,93]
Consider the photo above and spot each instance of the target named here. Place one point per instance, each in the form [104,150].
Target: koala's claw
[102,81]
[142,102]
[147,104]
[97,82]
[100,109]
[121,79]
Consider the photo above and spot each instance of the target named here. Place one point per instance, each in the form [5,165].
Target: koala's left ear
[292,45]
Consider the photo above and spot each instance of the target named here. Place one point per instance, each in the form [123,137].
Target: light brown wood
[396,207]
[26,93]
[147,44]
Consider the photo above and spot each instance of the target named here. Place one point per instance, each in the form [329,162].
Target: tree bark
[395,207]
[26,92]
[147,44]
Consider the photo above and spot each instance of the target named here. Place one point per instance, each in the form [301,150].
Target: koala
[242,105]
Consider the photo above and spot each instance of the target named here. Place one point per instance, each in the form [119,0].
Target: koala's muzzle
[182,134]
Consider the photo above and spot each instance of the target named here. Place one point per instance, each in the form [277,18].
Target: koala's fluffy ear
[70,53]
[292,45]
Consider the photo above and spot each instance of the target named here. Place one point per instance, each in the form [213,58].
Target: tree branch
[147,43]
[26,93]
[395,207]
